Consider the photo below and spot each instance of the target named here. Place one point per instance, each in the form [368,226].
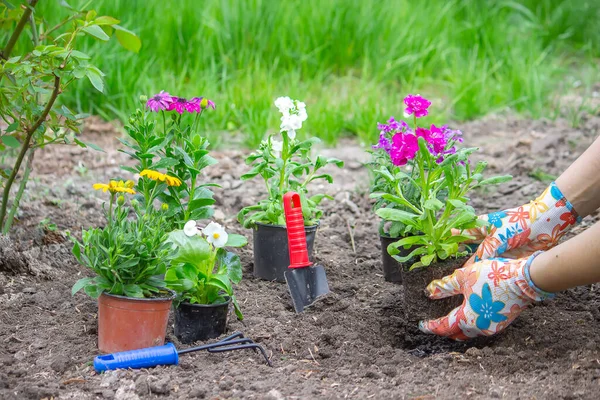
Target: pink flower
[180,105]
[200,103]
[416,105]
[404,148]
[159,102]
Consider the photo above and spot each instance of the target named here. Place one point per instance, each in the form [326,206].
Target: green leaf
[90,145]
[235,240]
[95,78]
[11,141]
[127,39]
[80,284]
[433,204]
[106,20]
[133,290]
[426,260]
[230,265]
[495,180]
[192,250]
[222,282]
[76,251]
[96,31]
[236,308]
[12,127]
[390,214]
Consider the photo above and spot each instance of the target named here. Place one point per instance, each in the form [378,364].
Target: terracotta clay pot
[126,323]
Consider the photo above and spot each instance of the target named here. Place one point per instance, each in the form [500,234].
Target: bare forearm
[572,263]
[580,183]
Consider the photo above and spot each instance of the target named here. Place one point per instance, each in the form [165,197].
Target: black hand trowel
[306,282]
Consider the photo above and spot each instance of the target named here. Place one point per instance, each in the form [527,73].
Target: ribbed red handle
[295,231]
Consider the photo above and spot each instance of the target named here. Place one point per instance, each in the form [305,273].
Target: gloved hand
[495,292]
[521,231]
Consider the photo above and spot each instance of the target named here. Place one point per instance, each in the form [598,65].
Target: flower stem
[5,54]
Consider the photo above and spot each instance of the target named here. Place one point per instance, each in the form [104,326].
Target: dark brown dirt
[351,344]
[417,305]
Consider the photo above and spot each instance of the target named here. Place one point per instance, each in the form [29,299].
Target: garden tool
[306,282]
[169,355]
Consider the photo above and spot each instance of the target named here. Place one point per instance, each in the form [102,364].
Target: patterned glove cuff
[562,200]
[543,295]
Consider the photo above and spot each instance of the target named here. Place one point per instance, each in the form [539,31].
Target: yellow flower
[157,176]
[115,187]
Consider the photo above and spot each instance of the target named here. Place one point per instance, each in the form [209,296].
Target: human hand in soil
[495,292]
[521,231]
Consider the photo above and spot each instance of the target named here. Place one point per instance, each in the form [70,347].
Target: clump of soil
[351,344]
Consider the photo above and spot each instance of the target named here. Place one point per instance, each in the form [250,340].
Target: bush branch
[30,131]
[18,30]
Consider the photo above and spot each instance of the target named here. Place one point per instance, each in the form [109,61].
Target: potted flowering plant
[285,165]
[203,274]
[435,219]
[130,255]
[382,166]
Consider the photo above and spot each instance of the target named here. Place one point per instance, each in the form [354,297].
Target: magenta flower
[416,105]
[404,148]
[200,103]
[159,102]
[435,138]
[179,104]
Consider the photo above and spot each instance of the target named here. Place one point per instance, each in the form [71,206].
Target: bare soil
[351,344]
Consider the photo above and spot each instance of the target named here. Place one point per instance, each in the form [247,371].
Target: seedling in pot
[203,274]
[443,177]
[284,165]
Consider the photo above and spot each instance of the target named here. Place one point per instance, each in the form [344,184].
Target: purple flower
[180,105]
[392,125]
[384,143]
[404,148]
[416,105]
[201,103]
[159,102]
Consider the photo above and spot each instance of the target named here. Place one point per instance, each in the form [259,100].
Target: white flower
[284,104]
[406,115]
[277,146]
[215,234]
[190,228]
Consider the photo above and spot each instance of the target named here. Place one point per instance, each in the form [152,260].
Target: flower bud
[135,203]
[204,103]
[143,98]
[165,207]
[121,200]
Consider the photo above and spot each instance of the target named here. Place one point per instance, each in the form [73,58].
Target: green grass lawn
[351,61]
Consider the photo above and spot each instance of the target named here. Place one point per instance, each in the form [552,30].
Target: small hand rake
[169,355]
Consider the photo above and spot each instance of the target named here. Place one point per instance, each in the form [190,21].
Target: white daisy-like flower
[190,228]
[215,234]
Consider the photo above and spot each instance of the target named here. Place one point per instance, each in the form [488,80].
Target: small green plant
[443,181]
[32,81]
[203,271]
[286,166]
[164,136]
[47,225]
[127,255]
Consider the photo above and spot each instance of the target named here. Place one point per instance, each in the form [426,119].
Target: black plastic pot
[392,269]
[271,256]
[195,322]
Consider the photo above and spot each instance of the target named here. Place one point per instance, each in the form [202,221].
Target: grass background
[351,61]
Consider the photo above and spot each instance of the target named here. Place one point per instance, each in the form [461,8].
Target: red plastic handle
[295,231]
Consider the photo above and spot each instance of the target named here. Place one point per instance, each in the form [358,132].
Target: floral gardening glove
[495,292]
[521,231]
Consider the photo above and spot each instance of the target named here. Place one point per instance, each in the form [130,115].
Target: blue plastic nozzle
[142,358]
